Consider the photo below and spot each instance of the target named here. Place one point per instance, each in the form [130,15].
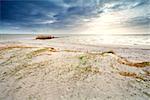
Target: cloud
[125,4]
[138,21]
[61,14]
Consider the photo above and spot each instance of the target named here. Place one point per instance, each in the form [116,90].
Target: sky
[75,16]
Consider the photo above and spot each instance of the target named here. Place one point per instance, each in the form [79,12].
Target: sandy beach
[74,50]
[50,70]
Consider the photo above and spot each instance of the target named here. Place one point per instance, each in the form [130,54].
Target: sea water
[92,39]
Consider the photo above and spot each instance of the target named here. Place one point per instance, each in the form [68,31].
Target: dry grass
[15,46]
[88,69]
[134,64]
[101,53]
[147,72]
[39,51]
[81,73]
[121,60]
[131,74]
[44,49]
[71,51]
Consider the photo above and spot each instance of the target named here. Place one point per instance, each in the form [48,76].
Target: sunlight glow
[106,23]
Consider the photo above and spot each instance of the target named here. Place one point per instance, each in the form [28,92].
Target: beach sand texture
[35,72]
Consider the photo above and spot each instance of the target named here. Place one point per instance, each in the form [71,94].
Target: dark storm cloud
[27,11]
[59,14]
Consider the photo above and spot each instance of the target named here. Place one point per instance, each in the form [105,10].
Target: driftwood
[44,37]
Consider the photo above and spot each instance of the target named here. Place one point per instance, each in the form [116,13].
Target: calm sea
[94,39]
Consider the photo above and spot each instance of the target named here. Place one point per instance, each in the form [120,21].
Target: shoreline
[50,41]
